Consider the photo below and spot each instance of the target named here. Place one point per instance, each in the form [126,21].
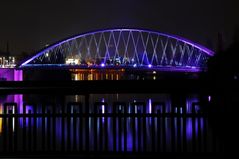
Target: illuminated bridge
[124,49]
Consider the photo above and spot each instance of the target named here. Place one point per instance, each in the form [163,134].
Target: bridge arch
[123,48]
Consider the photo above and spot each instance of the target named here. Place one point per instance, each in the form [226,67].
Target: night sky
[28,25]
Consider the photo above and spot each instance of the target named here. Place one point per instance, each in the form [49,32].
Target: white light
[135,65]
[103,106]
[72,61]
[76,77]
[150,106]
[102,65]
[103,109]
[150,66]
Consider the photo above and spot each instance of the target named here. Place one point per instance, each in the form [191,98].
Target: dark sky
[30,24]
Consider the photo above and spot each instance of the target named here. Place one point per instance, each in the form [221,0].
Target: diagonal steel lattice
[131,48]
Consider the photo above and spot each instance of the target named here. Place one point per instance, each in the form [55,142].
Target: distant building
[7,67]
[6,60]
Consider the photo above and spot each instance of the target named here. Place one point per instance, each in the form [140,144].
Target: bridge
[123,48]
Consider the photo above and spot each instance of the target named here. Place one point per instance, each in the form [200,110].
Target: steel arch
[131,48]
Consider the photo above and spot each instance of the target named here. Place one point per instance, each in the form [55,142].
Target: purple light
[150,106]
[51,47]
[7,74]
[11,74]
[18,75]
[209,98]
[102,65]
[190,126]
[150,66]
[103,106]
[156,68]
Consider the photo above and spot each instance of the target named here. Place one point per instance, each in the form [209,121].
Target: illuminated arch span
[123,48]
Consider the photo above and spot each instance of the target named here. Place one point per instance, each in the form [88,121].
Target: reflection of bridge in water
[133,123]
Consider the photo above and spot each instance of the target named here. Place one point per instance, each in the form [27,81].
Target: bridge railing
[118,127]
[127,128]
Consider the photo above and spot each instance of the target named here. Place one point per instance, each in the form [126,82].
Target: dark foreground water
[104,123]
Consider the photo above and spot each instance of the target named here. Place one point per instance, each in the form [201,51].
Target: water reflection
[1,112]
[160,130]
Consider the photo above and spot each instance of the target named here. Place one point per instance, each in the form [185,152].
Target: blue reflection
[189,128]
[160,124]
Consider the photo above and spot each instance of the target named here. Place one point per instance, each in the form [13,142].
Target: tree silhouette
[225,64]
[223,77]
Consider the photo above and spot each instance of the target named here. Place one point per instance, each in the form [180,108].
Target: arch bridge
[123,48]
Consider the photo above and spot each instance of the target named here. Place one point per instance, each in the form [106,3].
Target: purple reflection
[119,135]
[150,106]
[18,75]
[190,124]
[103,106]
[189,129]
[10,74]
[129,142]
[18,98]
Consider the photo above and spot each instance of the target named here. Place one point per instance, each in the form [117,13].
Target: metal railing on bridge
[118,128]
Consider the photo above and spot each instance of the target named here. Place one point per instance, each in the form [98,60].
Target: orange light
[0,119]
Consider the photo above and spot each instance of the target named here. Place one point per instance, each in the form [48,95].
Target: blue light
[135,65]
